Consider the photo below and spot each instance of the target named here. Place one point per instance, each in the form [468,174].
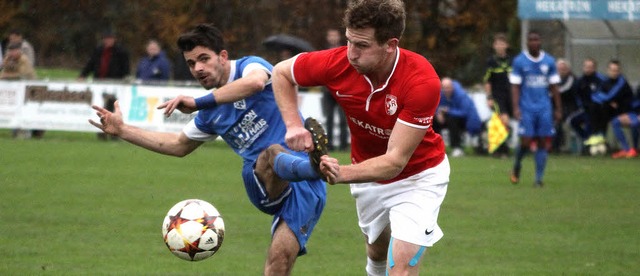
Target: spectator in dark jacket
[589,83]
[108,61]
[154,66]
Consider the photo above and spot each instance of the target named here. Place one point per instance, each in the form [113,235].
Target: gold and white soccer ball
[193,230]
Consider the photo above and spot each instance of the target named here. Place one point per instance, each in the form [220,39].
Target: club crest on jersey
[241,104]
[544,68]
[391,103]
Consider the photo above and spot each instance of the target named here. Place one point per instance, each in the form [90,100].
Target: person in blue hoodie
[154,66]
[612,99]
[457,113]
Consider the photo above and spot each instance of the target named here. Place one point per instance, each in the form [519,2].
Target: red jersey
[410,96]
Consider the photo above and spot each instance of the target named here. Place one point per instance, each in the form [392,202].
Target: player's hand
[185,104]
[330,168]
[516,114]
[110,122]
[299,139]
[557,115]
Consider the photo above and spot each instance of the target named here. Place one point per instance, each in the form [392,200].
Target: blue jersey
[248,126]
[534,75]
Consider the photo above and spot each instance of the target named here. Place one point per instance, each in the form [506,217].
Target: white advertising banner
[67,105]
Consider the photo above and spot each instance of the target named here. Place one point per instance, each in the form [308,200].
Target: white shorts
[410,205]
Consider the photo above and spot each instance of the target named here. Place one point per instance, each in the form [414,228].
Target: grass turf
[72,205]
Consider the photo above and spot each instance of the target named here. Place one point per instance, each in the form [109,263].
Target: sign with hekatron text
[579,9]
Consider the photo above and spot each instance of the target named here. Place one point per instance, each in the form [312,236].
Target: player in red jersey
[399,172]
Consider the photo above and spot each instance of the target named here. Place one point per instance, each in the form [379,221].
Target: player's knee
[280,261]
[266,157]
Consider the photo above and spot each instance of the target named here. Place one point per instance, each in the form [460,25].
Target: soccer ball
[599,149]
[193,230]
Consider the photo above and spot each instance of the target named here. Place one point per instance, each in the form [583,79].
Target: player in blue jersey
[242,111]
[533,75]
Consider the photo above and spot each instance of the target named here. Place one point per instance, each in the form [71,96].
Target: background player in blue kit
[533,75]
[242,111]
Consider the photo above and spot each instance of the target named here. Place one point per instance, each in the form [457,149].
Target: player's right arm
[175,144]
[286,95]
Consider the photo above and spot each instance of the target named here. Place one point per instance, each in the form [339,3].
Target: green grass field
[71,205]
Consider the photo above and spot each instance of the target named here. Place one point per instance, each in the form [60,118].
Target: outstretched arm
[175,144]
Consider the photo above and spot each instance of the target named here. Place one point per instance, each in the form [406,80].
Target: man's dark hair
[205,35]
[500,37]
[614,61]
[386,17]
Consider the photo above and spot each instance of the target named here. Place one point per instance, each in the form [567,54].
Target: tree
[453,34]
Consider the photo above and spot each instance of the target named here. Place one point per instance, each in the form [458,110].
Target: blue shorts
[536,124]
[300,205]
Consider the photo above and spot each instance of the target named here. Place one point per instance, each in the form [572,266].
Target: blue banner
[579,9]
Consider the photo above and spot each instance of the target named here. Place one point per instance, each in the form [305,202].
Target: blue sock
[617,130]
[541,163]
[292,168]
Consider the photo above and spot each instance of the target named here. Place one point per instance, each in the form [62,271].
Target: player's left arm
[554,81]
[408,132]
[252,82]
[557,100]
[403,142]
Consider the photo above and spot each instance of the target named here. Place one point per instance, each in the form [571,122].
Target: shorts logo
[427,232]
[391,103]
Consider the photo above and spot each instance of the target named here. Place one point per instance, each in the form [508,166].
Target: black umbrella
[281,42]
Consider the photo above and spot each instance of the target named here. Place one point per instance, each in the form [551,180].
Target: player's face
[500,46]
[588,67]
[365,54]
[613,70]
[534,43]
[207,66]
[563,69]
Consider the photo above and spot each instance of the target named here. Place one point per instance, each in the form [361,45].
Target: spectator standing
[16,36]
[329,105]
[154,66]
[456,113]
[399,172]
[612,99]
[16,66]
[568,94]
[109,61]
[533,78]
[497,87]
